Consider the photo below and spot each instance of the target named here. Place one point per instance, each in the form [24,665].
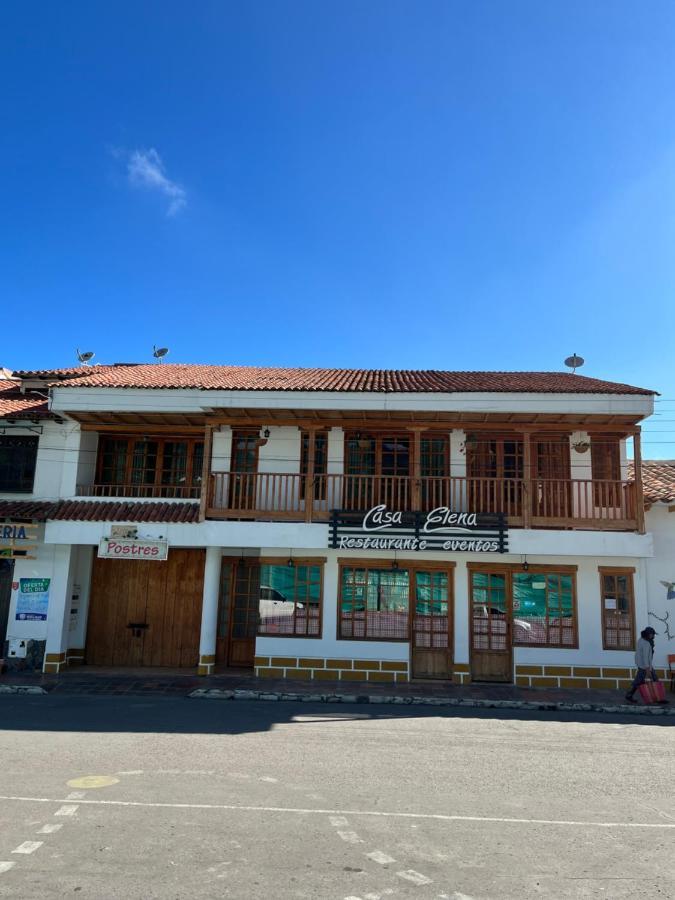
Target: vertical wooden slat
[527,480]
[206,473]
[309,477]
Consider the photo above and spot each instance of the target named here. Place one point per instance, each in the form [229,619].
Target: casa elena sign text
[132,548]
[439,529]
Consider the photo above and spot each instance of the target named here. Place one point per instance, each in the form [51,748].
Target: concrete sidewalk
[237,685]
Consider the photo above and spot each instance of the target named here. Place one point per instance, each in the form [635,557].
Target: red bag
[652,692]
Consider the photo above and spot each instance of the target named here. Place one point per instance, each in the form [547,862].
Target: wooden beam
[309,477]
[206,472]
[639,493]
[173,430]
[527,481]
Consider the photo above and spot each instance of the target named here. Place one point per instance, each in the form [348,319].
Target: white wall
[194,400]
[661,568]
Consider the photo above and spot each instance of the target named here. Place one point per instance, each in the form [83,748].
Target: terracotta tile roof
[124,511]
[99,511]
[256,378]
[15,405]
[25,509]
[658,480]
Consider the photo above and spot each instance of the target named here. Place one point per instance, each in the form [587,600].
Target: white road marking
[6,866]
[76,795]
[66,811]
[415,877]
[338,821]
[49,829]
[379,857]
[351,837]
[132,772]
[270,780]
[375,813]
[28,847]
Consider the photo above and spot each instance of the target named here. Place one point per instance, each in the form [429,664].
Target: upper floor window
[17,463]
[152,467]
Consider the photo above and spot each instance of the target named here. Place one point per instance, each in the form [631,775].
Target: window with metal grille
[544,609]
[618,608]
[17,464]
[290,600]
[373,604]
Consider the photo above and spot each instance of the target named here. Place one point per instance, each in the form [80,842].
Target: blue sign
[33,599]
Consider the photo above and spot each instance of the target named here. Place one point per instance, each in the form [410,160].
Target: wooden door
[6,571]
[552,495]
[146,613]
[495,472]
[490,626]
[431,623]
[238,613]
[174,610]
[394,459]
[244,466]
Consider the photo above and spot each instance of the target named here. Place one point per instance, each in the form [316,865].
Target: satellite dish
[159,352]
[85,357]
[574,362]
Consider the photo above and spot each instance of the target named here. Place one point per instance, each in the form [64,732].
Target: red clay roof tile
[658,479]
[258,378]
[99,511]
[15,405]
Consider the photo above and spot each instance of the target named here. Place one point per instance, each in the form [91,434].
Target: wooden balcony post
[206,472]
[309,476]
[639,495]
[527,480]
[416,492]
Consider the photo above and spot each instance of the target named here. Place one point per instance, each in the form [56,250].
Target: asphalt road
[200,799]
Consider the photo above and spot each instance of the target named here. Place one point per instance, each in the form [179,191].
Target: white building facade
[323,524]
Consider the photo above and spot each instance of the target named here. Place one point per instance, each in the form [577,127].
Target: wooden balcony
[141,491]
[535,503]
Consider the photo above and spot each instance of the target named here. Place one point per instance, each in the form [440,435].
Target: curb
[21,689]
[549,706]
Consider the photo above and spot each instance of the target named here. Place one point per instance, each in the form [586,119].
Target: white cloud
[145,170]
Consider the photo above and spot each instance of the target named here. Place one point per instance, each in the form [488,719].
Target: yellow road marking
[92,781]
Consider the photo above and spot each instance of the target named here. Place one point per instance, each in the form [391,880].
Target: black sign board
[440,529]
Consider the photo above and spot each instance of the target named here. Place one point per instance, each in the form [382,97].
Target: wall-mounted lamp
[266,433]
[526,565]
[582,446]
[290,562]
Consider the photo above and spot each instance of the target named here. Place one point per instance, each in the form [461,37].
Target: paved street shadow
[182,715]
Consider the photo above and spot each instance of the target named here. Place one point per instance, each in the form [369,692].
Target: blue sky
[461,185]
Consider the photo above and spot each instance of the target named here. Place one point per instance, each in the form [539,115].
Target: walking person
[644,655]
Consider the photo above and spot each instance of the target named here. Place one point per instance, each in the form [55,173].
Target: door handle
[138,628]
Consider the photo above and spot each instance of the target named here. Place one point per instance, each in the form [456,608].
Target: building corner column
[58,614]
[210,598]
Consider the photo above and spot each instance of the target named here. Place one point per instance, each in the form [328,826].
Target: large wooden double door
[146,613]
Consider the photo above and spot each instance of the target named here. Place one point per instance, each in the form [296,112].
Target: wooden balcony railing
[141,491]
[539,503]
